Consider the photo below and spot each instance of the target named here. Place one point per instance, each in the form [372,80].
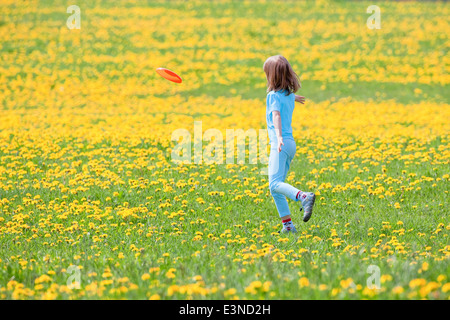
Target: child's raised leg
[279,163]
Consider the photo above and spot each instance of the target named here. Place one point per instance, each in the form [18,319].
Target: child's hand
[300,99]
[280,143]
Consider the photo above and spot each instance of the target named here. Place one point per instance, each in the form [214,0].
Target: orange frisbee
[169,75]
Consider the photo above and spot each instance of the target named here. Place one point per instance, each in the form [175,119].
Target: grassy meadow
[89,190]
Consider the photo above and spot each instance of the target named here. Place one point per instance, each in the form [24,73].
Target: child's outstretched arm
[277,124]
[300,99]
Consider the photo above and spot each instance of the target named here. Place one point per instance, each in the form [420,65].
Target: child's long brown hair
[280,75]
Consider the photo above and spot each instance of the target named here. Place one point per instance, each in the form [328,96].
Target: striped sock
[299,194]
[288,225]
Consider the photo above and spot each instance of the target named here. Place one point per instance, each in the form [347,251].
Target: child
[282,83]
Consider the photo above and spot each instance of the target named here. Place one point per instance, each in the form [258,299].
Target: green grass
[84,182]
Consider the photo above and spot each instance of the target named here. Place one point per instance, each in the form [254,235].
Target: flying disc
[169,75]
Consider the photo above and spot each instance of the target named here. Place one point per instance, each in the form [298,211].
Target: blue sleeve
[272,102]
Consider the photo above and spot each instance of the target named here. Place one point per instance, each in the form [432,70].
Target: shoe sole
[307,217]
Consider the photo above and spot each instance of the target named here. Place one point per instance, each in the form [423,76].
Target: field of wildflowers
[93,207]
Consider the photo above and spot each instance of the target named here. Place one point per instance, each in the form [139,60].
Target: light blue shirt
[279,101]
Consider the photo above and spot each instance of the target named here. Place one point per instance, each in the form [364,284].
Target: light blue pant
[279,163]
